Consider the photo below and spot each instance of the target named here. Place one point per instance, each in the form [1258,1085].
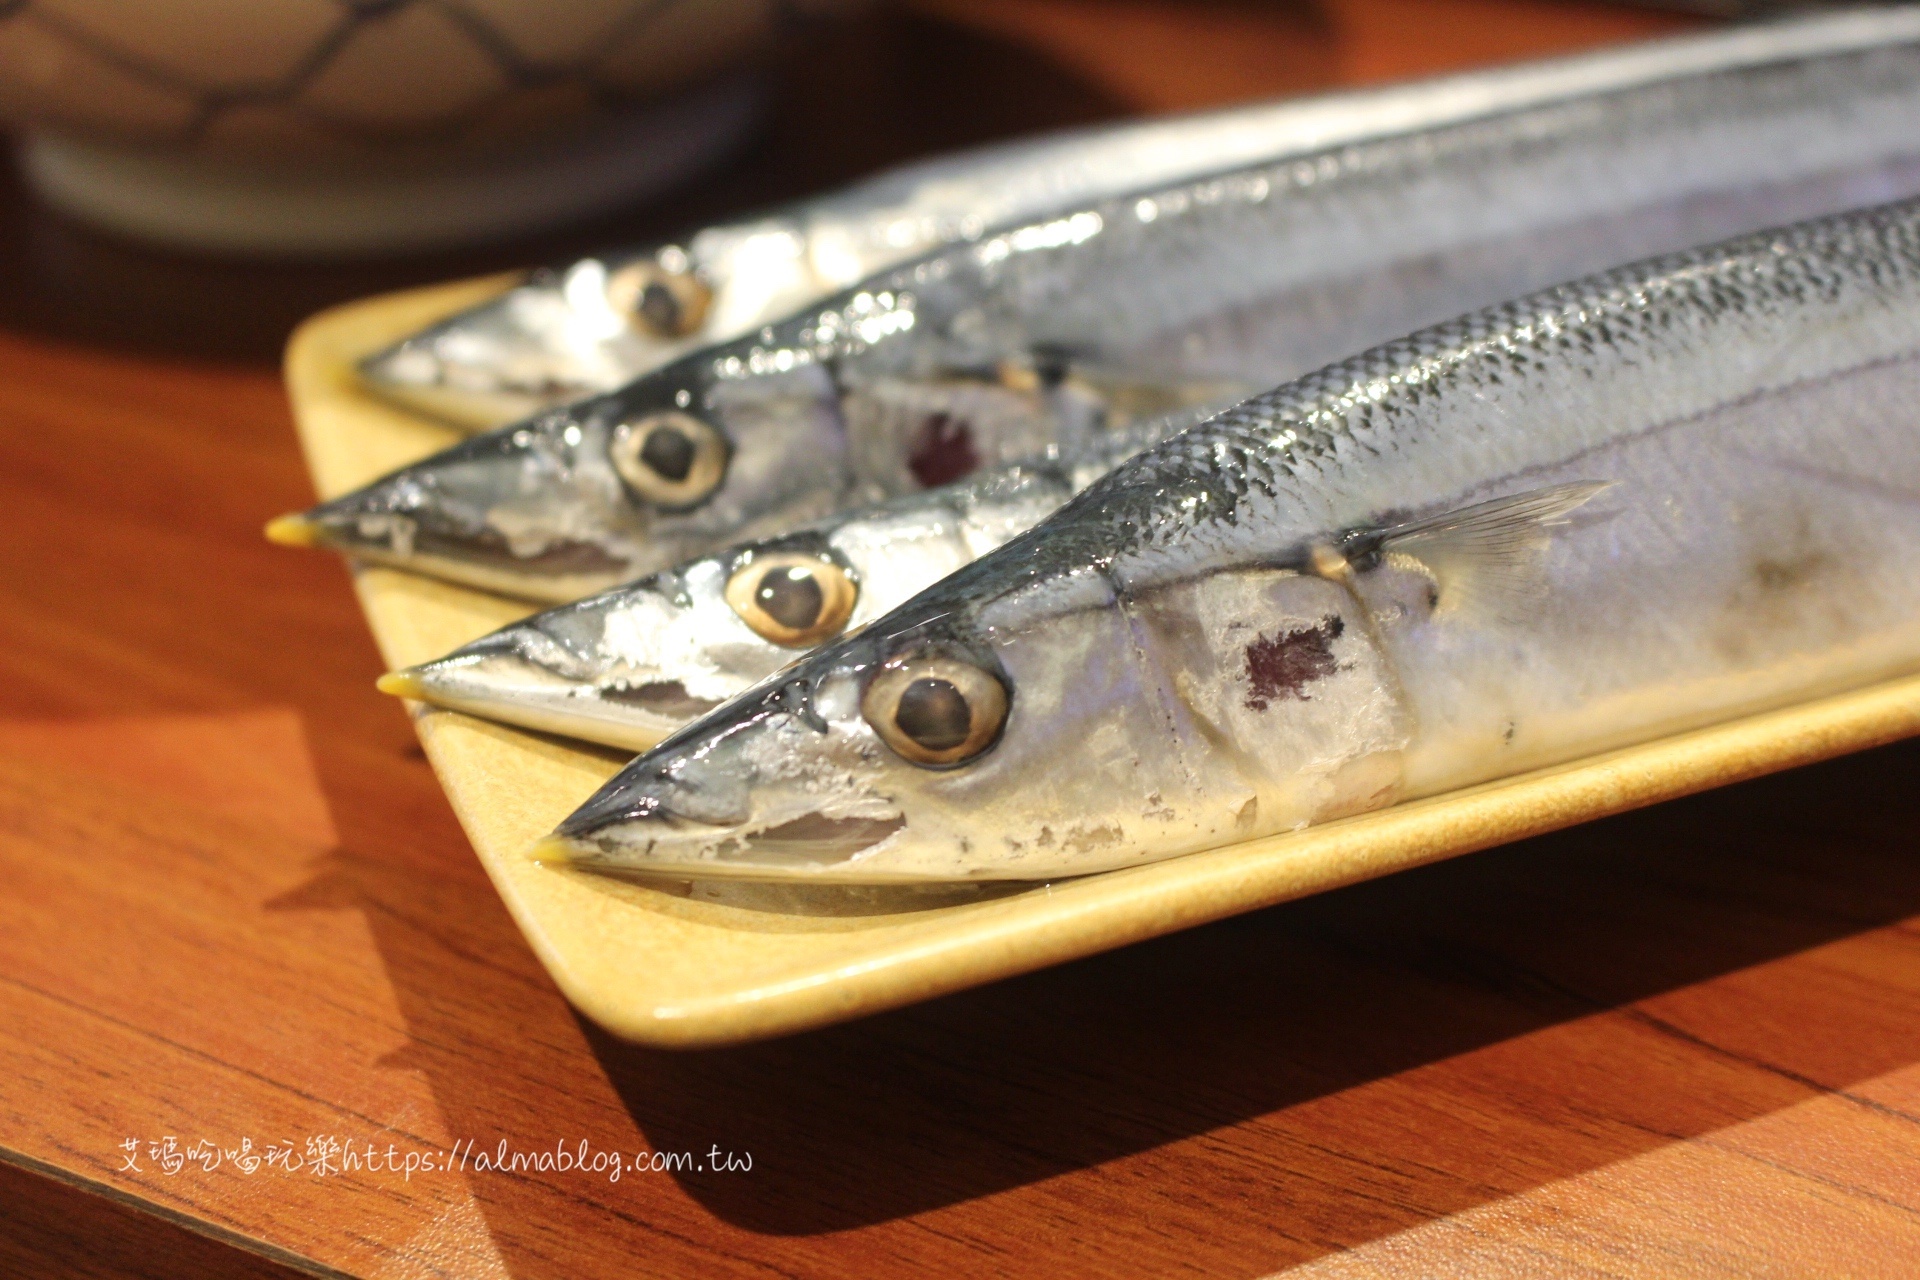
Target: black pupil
[791,597]
[660,308]
[934,714]
[668,453]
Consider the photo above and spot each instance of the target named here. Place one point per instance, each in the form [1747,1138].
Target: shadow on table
[1118,1054]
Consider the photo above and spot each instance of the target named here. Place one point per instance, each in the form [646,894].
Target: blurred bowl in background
[343,127]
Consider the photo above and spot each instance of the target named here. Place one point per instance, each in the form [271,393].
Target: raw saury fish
[628,666]
[1656,498]
[597,323]
[1039,337]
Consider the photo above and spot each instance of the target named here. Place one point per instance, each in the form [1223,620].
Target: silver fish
[628,666]
[597,323]
[987,353]
[1643,502]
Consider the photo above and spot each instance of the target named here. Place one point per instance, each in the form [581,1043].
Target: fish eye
[670,459]
[792,599]
[935,711]
[658,302]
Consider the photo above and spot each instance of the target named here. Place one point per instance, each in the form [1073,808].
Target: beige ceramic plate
[667,970]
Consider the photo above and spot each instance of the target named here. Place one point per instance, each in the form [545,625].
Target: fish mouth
[666,699]
[510,688]
[751,791]
[648,841]
[486,366]
[382,525]
[406,366]
[414,377]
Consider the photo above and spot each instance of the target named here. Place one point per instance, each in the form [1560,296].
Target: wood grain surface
[238,914]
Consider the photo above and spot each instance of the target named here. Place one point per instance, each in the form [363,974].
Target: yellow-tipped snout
[293,531]
[552,851]
[401,684]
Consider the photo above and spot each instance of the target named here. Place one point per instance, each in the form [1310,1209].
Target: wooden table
[242,938]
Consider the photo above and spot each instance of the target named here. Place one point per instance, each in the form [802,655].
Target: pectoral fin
[1486,559]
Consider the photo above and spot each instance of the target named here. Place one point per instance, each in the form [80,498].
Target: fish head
[629,666]
[556,336]
[1064,726]
[606,489]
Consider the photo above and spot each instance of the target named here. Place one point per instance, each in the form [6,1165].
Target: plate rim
[1066,920]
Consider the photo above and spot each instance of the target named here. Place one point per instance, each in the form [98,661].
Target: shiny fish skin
[1203,647]
[1252,278]
[628,666]
[556,337]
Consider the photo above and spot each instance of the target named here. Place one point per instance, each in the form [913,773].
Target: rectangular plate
[667,970]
